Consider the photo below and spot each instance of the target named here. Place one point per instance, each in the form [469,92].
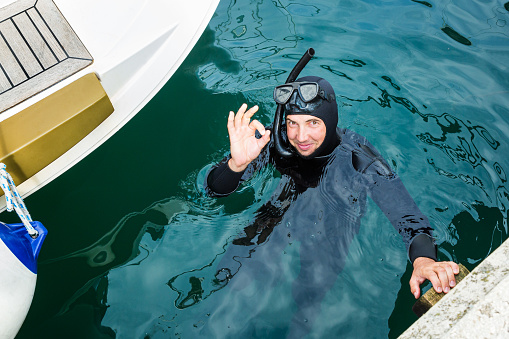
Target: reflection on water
[253,42]
[457,139]
[188,297]
[456,36]
[478,227]
[426,82]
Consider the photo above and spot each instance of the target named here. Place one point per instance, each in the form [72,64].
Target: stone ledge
[477,308]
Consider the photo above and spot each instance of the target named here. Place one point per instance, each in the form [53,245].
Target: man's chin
[305,153]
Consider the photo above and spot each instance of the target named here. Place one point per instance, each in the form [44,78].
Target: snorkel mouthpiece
[279,143]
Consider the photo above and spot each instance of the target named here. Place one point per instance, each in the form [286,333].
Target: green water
[425,82]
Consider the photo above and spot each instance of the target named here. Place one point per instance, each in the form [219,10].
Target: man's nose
[302,134]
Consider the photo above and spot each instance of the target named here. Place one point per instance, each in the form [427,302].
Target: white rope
[13,200]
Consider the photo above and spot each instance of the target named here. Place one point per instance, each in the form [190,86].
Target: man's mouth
[304,147]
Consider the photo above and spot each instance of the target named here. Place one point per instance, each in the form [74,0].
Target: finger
[258,126]
[451,281]
[240,114]
[230,124]
[450,273]
[415,287]
[455,267]
[250,113]
[266,135]
[444,277]
[265,139]
[435,281]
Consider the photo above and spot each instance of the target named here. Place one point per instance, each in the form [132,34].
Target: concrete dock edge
[478,307]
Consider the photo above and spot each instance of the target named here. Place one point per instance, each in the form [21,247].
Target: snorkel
[280,145]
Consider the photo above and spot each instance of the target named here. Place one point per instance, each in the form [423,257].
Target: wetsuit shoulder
[365,157]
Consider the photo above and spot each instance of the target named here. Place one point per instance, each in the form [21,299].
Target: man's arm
[244,148]
[391,196]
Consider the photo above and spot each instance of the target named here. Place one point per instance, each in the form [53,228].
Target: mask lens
[308,92]
[282,93]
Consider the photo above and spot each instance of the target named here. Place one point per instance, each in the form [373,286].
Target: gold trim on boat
[38,135]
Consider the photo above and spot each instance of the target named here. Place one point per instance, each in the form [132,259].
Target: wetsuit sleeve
[422,245]
[221,181]
[398,206]
[391,196]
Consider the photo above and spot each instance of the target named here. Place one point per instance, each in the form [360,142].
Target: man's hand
[244,147]
[441,274]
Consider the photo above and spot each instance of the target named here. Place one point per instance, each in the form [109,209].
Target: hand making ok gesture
[244,146]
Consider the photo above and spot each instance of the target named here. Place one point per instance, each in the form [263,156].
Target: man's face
[305,132]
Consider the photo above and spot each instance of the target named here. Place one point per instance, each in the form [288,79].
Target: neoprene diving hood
[325,109]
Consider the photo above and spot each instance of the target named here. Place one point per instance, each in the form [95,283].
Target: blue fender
[19,242]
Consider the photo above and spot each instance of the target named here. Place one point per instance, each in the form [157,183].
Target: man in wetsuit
[322,193]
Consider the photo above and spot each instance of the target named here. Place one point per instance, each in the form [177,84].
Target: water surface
[133,241]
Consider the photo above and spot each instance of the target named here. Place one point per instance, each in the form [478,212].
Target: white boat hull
[136,46]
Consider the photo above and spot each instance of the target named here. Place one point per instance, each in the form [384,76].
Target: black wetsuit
[323,199]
